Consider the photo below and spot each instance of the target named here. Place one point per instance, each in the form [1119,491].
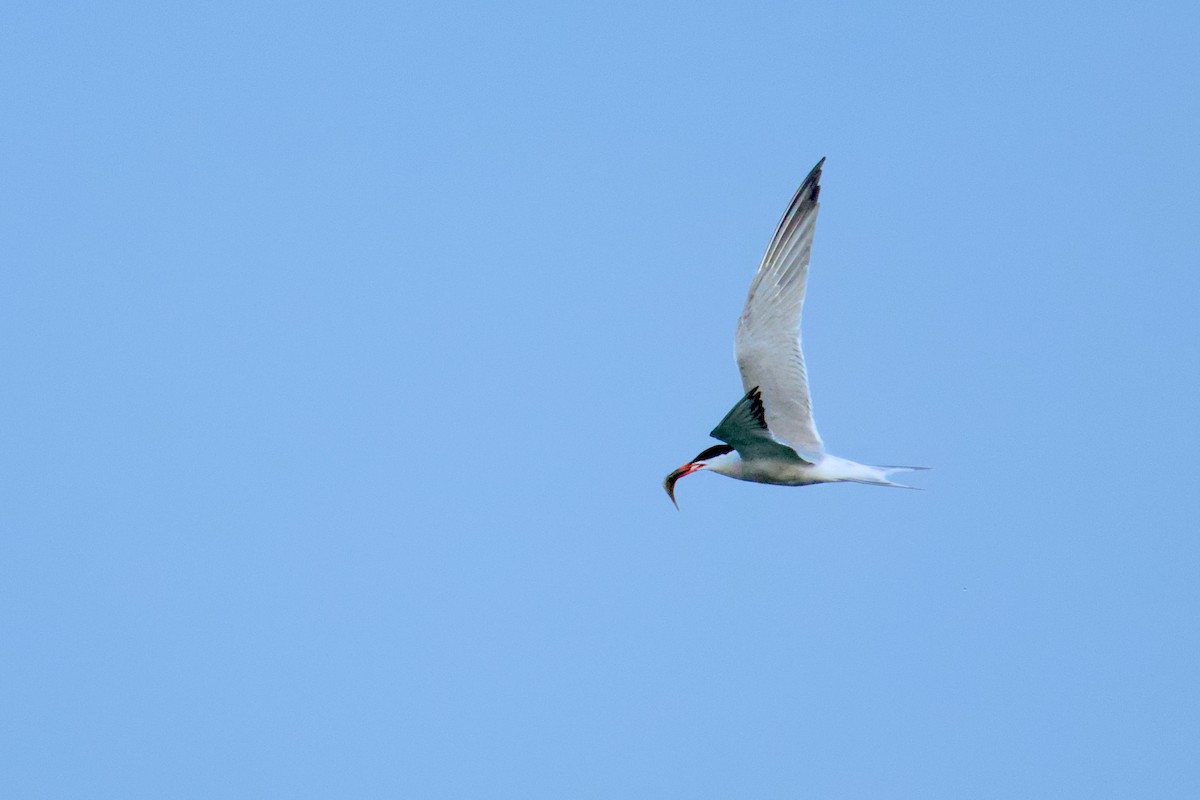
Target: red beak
[669,483]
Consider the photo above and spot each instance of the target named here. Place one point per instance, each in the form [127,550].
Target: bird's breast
[783,473]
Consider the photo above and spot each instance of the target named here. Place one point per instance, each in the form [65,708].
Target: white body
[829,469]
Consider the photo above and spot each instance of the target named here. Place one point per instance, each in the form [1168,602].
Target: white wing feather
[768,335]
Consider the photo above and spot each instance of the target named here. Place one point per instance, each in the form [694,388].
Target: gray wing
[768,334]
[745,429]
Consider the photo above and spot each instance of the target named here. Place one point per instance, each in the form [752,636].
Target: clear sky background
[345,348]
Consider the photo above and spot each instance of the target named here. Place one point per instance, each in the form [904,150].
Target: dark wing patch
[754,396]
[746,419]
[713,452]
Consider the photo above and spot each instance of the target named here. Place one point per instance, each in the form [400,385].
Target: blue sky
[345,349]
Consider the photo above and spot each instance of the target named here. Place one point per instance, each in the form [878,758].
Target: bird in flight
[769,436]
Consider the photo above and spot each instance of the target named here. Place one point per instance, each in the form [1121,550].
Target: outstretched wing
[768,335]
[745,429]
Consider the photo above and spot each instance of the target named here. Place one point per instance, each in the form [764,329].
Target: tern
[769,436]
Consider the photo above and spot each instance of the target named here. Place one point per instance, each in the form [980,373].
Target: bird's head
[695,465]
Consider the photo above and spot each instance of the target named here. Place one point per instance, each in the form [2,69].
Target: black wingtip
[813,181]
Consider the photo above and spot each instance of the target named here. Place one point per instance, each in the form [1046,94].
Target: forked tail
[881,475]
[886,471]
